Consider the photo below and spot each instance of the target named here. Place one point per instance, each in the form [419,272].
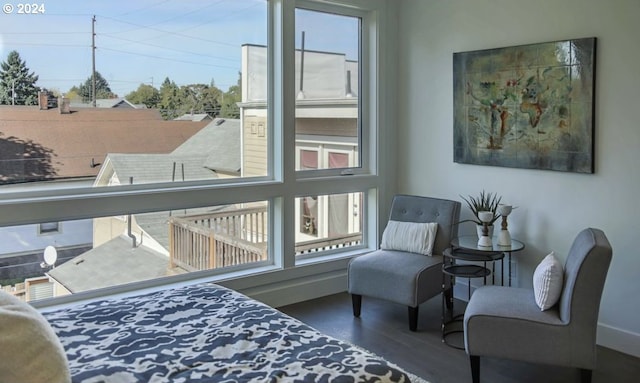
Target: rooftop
[38,145]
[113,263]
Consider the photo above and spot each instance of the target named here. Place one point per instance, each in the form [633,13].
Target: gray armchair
[506,322]
[403,277]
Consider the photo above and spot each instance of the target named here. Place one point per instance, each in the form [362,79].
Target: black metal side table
[452,270]
[469,245]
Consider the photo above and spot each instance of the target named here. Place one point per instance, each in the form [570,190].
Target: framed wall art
[528,106]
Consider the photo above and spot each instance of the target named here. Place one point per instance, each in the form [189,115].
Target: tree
[201,98]
[103,90]
[145,94]
[230,100]
[194,98]
[169,99]
[17,85]
[73,94]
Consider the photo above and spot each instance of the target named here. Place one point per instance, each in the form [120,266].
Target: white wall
[26,238]
[553,206]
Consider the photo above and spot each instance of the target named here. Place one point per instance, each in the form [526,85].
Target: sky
[145,41]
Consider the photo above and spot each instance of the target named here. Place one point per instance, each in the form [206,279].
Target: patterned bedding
[205,333]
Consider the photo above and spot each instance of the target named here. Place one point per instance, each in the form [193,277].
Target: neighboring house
[221,141]
[122,103]
[69,148]
[115,262]
[72,146]
[326,137]
[326,132]
[194,117]
[212,152]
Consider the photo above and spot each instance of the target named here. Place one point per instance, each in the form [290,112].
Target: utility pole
[93,60]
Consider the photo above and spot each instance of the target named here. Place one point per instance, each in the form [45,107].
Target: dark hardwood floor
[383,329]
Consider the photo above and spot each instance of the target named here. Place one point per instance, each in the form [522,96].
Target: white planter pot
[479,231]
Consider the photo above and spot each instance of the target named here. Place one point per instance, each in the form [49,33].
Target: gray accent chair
[506,323]
[403,277]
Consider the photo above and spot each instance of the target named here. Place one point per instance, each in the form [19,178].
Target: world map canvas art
[529,106]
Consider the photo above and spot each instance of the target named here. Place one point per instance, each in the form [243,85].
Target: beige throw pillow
[409,236]
[30,351]
[548,279]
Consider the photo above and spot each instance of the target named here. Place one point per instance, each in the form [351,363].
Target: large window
[327,77]
[141,93]
[217,140]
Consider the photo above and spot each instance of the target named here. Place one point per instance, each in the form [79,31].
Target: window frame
[283,184]
[47,228]
[366,125]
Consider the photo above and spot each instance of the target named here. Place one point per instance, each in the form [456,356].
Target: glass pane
[113,93]
[327,77]
[328,222]
[110,251]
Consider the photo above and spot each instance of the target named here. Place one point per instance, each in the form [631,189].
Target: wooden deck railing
[208,241]
[233,237]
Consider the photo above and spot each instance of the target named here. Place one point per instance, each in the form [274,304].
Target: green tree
[145,94]
[85,90]
[230,100]
[201,98]
[170,100]
[73,94]
[17,85]
[194,98]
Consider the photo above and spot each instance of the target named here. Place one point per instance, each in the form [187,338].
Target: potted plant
[484,202]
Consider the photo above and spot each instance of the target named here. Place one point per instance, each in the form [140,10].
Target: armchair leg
[475,368]
[356,302]
[585,375]
[413,318]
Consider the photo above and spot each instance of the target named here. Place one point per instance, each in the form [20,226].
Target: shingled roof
[37,145]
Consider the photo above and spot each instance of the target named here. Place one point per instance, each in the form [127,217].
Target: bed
[205,333]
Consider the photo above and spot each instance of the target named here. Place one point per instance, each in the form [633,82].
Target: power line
[167,48]
[173,33]
[144,8]
[168,59]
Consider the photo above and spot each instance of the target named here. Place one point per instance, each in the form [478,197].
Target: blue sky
[144,41]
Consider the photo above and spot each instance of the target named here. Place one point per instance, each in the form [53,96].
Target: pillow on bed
[413,237]
[29,349]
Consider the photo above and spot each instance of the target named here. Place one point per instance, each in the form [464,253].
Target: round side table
[452,270]
[469,244]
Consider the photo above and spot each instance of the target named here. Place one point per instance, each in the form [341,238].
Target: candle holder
[485,217]
[504,238]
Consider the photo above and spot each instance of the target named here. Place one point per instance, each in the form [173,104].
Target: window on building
[49,227]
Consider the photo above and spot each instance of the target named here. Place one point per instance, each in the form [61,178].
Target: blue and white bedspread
[205,333]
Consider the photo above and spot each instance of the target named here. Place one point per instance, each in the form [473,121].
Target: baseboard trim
[618,339]
[300,289]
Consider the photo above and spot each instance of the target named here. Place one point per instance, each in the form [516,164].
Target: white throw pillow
[548,279]
[409,236]
[30,351]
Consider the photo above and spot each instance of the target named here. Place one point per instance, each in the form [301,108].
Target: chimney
[63,105]
[43,100]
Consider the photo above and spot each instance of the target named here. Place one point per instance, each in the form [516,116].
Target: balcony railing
[214,240]
[233,237]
